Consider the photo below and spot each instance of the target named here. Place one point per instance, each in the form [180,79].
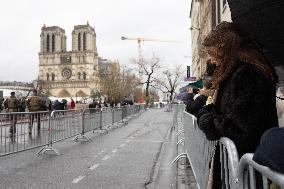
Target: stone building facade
[205,15]
[65,73]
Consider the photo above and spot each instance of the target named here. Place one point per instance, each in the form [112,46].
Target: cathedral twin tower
[65,73]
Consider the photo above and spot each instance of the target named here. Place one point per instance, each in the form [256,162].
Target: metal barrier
[199,150]
[229,160]
[20,131]
[235,174]
[248,170]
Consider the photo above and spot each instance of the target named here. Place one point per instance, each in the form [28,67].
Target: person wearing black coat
[245,88]
[196,101]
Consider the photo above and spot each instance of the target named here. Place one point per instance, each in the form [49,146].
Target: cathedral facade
[65,73]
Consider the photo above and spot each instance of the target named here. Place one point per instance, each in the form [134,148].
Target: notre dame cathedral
[65,73]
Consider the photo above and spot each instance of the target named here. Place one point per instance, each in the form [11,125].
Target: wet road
[136,155]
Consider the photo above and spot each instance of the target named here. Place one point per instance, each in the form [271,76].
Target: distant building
[205,15]
[108,66]
[65,73]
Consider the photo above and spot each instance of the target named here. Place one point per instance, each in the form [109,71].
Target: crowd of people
[238,99]
[38,103]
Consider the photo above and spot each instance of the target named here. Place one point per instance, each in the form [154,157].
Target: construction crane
[140,40]
[140,59]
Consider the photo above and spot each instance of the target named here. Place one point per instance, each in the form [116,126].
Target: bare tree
[110,81]
[170,80]
[148,70]
[129,84]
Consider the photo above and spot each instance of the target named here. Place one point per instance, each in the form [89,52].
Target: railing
[199,150]
[248,170]
[235,173]
[20,131]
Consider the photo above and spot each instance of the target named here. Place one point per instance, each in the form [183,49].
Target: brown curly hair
[236,46]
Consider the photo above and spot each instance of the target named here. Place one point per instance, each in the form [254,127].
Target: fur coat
[245,108]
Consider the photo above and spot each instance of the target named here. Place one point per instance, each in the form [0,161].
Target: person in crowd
[11,105]
[270,152]
[196,102]
[244,104]
[35,103]
[112,104]
[105,104]
[22,104]
[60,105]
[72,104]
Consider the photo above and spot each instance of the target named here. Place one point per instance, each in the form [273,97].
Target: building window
[47,77]
[53,77]
[53,43]
[84,75]
[79,75]
[84,41]
[47,43]
[79,41]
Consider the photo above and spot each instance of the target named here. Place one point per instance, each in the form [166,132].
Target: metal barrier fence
[198,149]
[20,131]
[248,170]
[235,173]
[23,130]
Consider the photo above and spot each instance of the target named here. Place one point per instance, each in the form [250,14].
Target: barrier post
[82,136]
[50,138]
[112,111]
[101,118]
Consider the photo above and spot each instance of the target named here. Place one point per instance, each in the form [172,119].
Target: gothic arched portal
[63,93]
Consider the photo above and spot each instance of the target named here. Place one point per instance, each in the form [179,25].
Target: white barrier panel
[198,149]
[247,172]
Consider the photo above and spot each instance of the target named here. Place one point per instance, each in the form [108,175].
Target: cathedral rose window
[66,73]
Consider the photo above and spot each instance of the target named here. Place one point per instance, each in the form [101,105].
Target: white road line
[127,141]
[94,166]
[122,145]
[76,180]
[114,151]
[105,158]
[154,141]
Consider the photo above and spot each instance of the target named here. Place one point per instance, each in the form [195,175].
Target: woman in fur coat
[245,88]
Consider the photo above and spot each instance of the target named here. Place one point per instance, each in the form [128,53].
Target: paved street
[136,155]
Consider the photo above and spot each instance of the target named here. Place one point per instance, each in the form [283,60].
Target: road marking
[105,158]
[114,151]
[95,156]
[122,145]
[127,141]
[94,166]
[154,141]
[76,180]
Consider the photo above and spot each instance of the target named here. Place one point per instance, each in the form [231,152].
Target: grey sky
[21,22]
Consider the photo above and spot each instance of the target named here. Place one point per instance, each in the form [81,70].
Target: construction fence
[236,173]
[21,131]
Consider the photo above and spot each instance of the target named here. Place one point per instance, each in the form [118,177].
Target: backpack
[12,103]
[35,103]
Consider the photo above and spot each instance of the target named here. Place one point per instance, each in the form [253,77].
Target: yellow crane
[140,40]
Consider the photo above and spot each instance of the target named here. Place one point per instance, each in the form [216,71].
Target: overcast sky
[21,22]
